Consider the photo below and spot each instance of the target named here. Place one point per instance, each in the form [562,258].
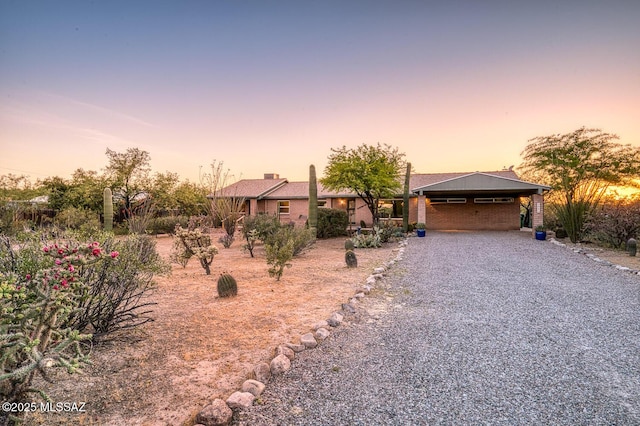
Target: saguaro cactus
[108,209]
[405,200]
[313,199]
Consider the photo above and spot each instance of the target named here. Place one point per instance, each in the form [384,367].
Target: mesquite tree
[580,167]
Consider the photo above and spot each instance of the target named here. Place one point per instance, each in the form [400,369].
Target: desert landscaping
[201,347]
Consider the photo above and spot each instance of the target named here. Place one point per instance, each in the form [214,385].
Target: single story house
[443,201]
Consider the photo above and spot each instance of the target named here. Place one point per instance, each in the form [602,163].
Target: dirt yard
[617,257]
[201,347]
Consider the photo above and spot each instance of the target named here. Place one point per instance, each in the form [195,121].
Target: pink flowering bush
[34,312]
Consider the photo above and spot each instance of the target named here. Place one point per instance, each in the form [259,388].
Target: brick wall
[472,216]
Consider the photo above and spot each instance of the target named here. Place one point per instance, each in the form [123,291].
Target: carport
[478,201]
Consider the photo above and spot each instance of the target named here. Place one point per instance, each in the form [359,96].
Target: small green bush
[332,223]
[283,245]
[79,219]
[167,224]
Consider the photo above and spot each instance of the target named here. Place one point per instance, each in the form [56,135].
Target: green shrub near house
[332,223]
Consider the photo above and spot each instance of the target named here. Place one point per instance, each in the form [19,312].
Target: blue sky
[273,86]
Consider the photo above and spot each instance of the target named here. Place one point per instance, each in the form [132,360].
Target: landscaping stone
[288,352]
[217,413]
[240,400]
[349,309]
[280,364]
[254,387]
[322,334]
[320,324]
[335,320]
[371,280]
[359,295]
[366,289]
[262,372]
[296,348]
[379,270]
[308,340]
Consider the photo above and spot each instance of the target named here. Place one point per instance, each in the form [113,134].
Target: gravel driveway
[474,328]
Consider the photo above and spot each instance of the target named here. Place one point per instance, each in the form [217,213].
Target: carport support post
[422,209]
[537,214]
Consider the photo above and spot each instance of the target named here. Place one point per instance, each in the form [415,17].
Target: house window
[499,200]
[390,209]
[322,204]
[447,200]
[283,207]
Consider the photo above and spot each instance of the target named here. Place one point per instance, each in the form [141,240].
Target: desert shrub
[35,332]
[11,218]
[139,219]
[332,223]
[264,225]
[226,240]
[283,245]
[615,222]
[118,293]
[80,219]
[193,243]
[166,224]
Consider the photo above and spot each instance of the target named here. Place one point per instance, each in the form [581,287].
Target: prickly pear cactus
[632,246]
[108,209]
[227,286]
[351,259]
[348,245]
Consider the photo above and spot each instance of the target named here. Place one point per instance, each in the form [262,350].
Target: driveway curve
[474,328]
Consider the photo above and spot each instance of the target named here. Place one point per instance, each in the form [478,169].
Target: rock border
[220,412]
[595,258]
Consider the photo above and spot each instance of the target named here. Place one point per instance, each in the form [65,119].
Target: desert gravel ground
[474,328]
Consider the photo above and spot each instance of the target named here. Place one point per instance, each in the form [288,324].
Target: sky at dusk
[272,86]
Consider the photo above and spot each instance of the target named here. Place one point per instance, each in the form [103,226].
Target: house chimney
[271,176]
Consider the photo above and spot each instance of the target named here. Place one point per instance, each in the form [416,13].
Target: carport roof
[480,183]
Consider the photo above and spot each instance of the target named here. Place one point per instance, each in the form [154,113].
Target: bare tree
[226,207]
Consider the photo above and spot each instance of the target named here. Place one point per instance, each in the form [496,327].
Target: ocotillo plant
[313,199]
[405,200]
[108,209]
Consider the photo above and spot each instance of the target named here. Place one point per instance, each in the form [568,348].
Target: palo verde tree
[579,167]
[372,172]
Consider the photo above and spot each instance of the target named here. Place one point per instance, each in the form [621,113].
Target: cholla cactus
[33,311]
[194,243]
